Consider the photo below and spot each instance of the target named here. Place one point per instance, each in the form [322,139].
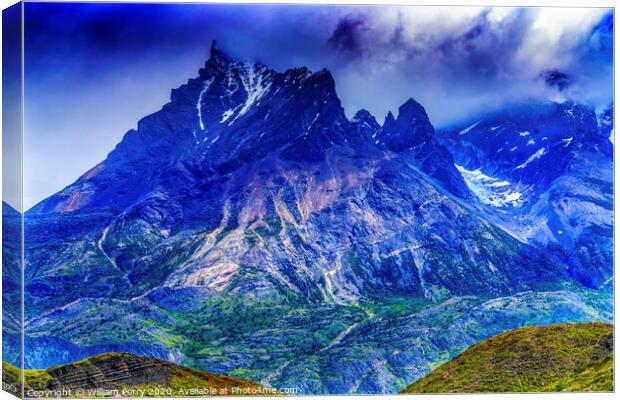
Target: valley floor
[373,347]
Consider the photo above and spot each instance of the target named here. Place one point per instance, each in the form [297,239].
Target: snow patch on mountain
[490,190]
[533,157]
[227,114]
[469,128]
[206,85]
[256,82]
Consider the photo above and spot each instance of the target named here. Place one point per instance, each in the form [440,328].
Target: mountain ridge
[129,375]
[573,357]
[253,81]
[549,167]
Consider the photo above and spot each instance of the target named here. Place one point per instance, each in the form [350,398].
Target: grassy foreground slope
[563,357]
[127,375]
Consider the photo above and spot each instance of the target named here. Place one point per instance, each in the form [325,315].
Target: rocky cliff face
[224,230]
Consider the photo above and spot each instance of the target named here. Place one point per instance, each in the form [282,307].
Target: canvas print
[228,199]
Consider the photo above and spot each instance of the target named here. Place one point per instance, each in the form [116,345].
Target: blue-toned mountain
[250,228]
[549,167]
[11,284]
[606,122]
[272,158]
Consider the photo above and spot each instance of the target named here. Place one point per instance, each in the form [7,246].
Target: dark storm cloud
[556,79]
[347,36]
[476,48]
[481,59]
[483,50]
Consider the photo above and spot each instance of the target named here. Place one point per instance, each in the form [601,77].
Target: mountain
[606,122]
[413,130]
[250,228]
[240,149]
[11,283]
[568,357]
[128,375]
[547,170]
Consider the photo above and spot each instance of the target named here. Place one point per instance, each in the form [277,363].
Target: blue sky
[93,70]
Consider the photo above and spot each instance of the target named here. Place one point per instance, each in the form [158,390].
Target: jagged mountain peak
[237,113]
[408,112]
[361,115]
[409,129]
[217,55]
[364,116]
[218,61]
[222,65]
[412,131]
[367,129]
[411,107]
[389,118]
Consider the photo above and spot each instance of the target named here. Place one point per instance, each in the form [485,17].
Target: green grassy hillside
[127,375]
[565,357]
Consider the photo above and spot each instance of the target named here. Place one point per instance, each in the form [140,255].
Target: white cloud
[553,36]
[458,60]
